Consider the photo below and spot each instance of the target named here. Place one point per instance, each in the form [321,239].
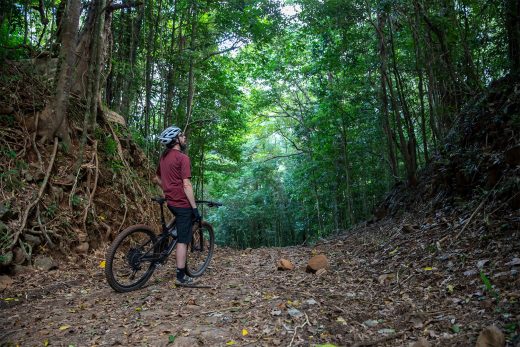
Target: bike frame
[165,234]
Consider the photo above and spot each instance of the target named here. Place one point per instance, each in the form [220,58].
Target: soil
[389,283]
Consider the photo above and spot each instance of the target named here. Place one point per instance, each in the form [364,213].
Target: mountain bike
[137,251]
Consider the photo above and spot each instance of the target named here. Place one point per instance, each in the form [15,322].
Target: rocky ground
[397,282]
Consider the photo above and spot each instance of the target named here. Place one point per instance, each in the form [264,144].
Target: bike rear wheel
[130,258]
[200,250]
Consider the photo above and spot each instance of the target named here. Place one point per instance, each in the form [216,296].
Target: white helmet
[169,134]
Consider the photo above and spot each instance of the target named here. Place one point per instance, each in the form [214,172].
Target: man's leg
[180,255]
[184,235]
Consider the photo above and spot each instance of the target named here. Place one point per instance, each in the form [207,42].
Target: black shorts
[184,221]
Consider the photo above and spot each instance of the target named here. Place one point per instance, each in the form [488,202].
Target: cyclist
[173,175]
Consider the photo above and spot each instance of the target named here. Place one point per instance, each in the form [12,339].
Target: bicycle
[137,251]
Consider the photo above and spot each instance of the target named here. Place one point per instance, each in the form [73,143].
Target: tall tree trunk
[512,14]
[392,158]
[148,69]
[419,62]
[54,117]
[191,73]
[129,86]
[170,77]
[411,143]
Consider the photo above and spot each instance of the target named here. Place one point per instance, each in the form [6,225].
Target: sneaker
[186,281]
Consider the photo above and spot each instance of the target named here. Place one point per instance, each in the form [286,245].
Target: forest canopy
[300,114]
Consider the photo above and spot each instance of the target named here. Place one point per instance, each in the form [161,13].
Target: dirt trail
[386,287]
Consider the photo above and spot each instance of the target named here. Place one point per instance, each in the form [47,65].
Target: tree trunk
[191,73]
[54,117]
[170,77]
[512,14]
[392,158]
[133,43]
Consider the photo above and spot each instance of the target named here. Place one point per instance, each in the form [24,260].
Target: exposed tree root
[33,140]
[93,192]
[16,236]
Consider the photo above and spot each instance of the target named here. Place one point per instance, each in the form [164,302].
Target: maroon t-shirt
[172,169]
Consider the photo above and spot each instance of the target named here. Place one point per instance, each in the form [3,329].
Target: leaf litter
[384,287]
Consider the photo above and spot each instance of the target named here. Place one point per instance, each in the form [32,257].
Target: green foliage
[488,285]
[110,147]
[115,165]
[299,122]
[76,200]
[51,210]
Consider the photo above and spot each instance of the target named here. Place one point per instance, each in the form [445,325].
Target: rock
[45,263]
[421,342]
[185,341]
[58,193]
[317,262]
[19,256]
[6,259]
[491,336]
[5,282]
[284,264]
[19,269]
[82,248]
[33,240]
[408,228]
[386,278]
[512,156]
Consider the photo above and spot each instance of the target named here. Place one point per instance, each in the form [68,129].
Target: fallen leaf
[515,261]
[230,343]
[341,320]
[428,268]
[386,331]
[244,332]
[311,302]
[294,312]
[370,323]
[102,264]
[481,263]
[455,328]
[64,327]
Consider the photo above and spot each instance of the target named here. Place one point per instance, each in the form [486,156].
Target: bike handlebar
[209,203]
[162,200]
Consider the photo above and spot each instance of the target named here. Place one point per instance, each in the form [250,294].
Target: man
[173,175]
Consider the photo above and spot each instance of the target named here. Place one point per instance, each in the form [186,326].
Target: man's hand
[196,214]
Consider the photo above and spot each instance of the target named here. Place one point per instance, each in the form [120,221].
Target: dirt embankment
[61,201]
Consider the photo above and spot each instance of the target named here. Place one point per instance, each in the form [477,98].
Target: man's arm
[188,190]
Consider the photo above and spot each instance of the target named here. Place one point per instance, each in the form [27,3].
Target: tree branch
[282,156]
[232,48]
[115,7]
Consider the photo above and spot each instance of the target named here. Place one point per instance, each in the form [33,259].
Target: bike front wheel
[130,258]
[200,250]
